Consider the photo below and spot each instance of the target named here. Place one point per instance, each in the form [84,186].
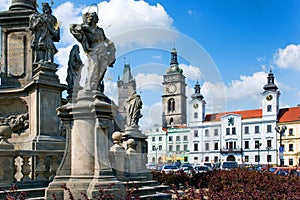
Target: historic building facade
[248,136]
[290,138]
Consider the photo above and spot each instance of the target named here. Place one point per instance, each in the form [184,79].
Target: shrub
[233,184]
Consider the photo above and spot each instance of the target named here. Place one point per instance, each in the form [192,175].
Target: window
[170,147]
[246,129]
[185,159]
[177,147]
[291,147]
[153,148]
[206,159]
[230,145]
[227,131]
[246,144]
[291,161]
[206,132]
[171,105]
[257,144]
[177,138]
[195,147]
[269,108]
[246,158]
[291,131]
[195,115]
[206,146]
[269,128]
[233,130]
[171,121]
[216,146]
[256,158]
[185,138]
[153,139]
[195,158]
[160,139]
[160,147]
[185,147]
[216,159]
[195,133]
[269,158]
[269,143]
[170,138]
[216,133]
[256,129]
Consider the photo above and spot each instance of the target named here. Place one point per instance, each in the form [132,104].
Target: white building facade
[248,136]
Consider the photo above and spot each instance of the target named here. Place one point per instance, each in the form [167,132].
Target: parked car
[208,164]
[226,165]
[201,169]
[284,171]
[169,168]
[186,166]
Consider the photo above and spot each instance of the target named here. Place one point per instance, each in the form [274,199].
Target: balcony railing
[231,150]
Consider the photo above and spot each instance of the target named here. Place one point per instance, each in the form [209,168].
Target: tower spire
[197,94]
[270,86]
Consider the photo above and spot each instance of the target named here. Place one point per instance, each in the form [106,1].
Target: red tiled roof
[246,114]
[289,114]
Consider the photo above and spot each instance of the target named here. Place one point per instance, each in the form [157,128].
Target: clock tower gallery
[174,98]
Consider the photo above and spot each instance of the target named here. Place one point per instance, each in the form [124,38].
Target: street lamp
[281,148]
[258,157]
[156,148]
[268,149]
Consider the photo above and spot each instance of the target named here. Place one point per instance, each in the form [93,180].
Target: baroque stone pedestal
[88,148]
[142,173]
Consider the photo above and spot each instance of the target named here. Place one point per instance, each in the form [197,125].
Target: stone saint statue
[99,49]
[74,69]
[45,31]
[133,107]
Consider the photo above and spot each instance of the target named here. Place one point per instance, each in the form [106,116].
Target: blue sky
[228,45]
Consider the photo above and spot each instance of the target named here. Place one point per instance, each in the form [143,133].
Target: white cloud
[191,72]
[122,15]
[289,57]
[4,5]
[148,81]
[246,86]
[67,14]
[151,115]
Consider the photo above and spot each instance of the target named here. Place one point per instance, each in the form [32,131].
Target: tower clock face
[171,88]
[269,97]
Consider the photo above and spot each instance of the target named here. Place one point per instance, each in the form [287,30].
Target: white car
[169,168]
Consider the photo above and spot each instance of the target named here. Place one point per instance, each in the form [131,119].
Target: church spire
[270,86]
[174,63]
[127,76]
[197,94]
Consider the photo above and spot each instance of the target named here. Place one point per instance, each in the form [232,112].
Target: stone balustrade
[18,166]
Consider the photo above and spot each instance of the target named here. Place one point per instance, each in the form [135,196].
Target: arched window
[195,115]
[171,120]
[269,108]
[171,105]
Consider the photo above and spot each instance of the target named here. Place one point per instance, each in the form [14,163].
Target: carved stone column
[88,148]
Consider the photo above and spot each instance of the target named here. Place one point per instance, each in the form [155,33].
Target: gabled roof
[289,114]
[284,115]
[246,114]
